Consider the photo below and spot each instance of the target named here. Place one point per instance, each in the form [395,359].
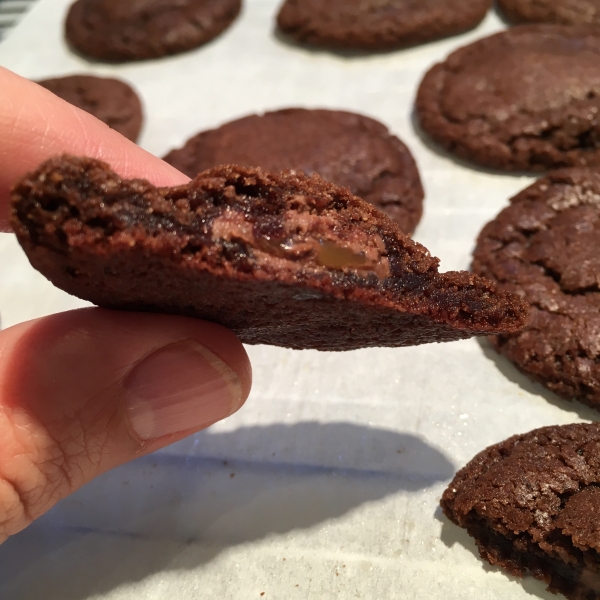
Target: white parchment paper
[326,484]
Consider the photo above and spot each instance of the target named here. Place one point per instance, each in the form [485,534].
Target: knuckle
[41,465]
[34,475]
[18,496]
[14,509]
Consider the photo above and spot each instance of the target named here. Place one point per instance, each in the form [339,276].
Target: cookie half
[546,247]
[347,149]
[124,30]
[377,24]
[524,99]
[284,259]
[110,100]
[566,12]
[532,505]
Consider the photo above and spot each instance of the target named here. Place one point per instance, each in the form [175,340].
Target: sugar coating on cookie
[532,504]
[284,259]
[566,12]
[546,247]
[125,30]
[111,100]
[523,99]
[347,149]
[377,24]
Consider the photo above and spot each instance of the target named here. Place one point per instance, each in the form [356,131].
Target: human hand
[84,391]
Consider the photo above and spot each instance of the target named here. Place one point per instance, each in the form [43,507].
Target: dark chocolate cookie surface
[566,12]
[110,100]
[532,505]
[347,149]
[377,24]
[523,99]
[546,247]
[283,259]
[123,30]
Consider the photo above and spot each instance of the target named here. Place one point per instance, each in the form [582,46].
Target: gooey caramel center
[331,255]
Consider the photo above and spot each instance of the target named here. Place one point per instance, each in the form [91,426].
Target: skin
[63,389]
[36,125]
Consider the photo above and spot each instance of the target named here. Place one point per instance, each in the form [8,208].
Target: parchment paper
[326,484]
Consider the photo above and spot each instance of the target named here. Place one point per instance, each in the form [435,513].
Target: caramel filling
[303,248]
[330,255]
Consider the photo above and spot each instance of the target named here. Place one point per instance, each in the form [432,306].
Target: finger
[84,391]
[35,125]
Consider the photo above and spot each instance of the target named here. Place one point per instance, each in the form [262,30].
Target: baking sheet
[326,484]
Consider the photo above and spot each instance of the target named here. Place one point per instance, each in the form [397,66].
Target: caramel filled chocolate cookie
[546,247]
[110,100]
[532,505]
[283,259]
[566,12]
[377,24]
[124,30]
[523,99]
[347,149]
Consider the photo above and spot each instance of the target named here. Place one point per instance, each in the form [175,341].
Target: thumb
[84,391]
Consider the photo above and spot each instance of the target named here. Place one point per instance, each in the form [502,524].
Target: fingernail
[180,387]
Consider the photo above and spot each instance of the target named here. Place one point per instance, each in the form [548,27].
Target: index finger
[35,125]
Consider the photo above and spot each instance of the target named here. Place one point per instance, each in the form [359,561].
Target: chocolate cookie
[567,12]
[523,99]
[284,259]
[546,247]
[344,148]
[110,100]
[377,24]
[532,505]
[123,30]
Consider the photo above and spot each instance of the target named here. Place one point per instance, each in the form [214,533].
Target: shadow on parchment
[175,512]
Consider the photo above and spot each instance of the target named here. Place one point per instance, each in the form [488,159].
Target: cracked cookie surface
[532,504]
[546,247]
[345,148]
[285,259]
[524,99]
[124,30]
[111,100]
